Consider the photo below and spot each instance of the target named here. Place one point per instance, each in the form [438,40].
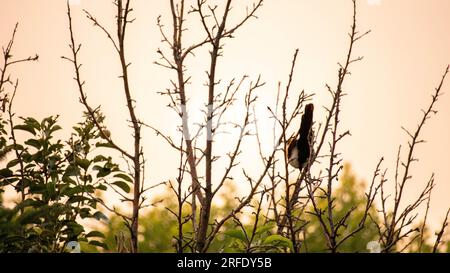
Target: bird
[298,149]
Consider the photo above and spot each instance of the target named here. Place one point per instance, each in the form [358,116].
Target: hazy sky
[405,56]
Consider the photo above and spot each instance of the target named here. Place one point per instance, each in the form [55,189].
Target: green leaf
[95,234]
[124,177]
[72,171]
[100,216]
[18,147]
[12,163]
[5,182]
[29,216]
[29,203]
[102,187]
[124,186]
[4,173]
[83,163]
[85,212]
[34,142]
[100,158]
[74,229]
[100,244]
[237,234]
[264,228]
[278,240]
[68,180]
[33,123]
[78,198]
[105,145]
[73,191]
[25,127]
[102,171]
[55,128]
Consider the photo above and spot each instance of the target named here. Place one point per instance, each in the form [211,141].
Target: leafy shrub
[58,184]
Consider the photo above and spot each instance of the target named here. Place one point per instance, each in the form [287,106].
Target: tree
[135,159]
[57,184]
[351,195]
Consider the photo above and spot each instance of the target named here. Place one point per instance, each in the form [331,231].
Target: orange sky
[405,56]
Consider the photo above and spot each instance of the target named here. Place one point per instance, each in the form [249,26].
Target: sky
[404,58]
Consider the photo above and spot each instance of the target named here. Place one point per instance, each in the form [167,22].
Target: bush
[58,185]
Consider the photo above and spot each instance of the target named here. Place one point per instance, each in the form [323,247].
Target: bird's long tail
[307,120]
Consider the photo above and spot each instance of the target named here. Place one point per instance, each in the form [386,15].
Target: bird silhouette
[298,146]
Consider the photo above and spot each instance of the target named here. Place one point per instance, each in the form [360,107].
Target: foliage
[350,194]
[61,182]
[57,184]
[159,227]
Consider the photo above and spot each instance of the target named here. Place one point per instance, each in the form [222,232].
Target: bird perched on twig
[298,149]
